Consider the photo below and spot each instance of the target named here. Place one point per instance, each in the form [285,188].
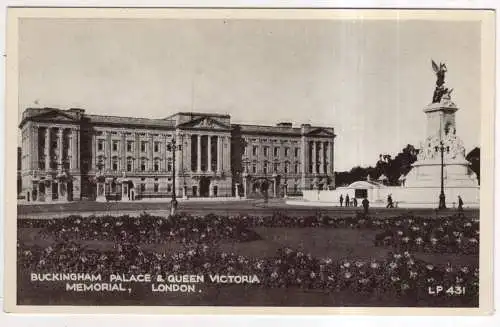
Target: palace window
[130,146]
[254,168]
[100,145]
[265,168]
[143,146]
[297,150]
[157,146]
[296,168]
[276,151]
[129,164]
[276,167]
[156,165]
[143,187]
[115,145]
[287,152]
[266,151]
[169,188]
[155,185]
[114,164]
[169,165]
[143,165]
[254,150]
[286,167]
[100,163]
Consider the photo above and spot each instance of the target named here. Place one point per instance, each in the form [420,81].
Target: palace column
[35,148]
[227,155]
[198,156]
[47,149]
[209,153]
[165,152]
[48,186]
[151,152]
[60,163]
[321,158]
[326,158]
[107,148]
[60,147]
[332,158]
[123,151]
[219,154]
[137,153]
[94,154]
[78,150]
[186,152]
[314,163]
[72,162]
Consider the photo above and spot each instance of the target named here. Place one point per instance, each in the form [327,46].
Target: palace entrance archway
[204,186]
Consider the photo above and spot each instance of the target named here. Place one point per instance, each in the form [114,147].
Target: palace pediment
[321,132]
[51,115]
[205,123]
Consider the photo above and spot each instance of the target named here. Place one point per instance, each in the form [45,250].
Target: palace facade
[68,155]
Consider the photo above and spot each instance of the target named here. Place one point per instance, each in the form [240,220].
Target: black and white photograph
[233,159]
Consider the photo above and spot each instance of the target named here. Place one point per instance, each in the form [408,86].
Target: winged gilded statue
[440,89]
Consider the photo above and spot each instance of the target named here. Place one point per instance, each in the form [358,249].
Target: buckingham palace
[69,155]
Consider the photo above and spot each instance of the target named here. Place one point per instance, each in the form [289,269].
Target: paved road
[257,207]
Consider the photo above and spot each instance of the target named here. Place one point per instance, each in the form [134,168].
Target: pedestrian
[347,200]
[390,204]
[460,204]
[341,200]
[366,205]
[355,202]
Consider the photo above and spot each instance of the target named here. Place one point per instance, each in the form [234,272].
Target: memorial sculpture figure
[440,91]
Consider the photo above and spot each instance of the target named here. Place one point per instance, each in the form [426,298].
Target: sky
[369,80]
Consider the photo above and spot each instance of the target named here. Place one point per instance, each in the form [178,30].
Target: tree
[391,167]
[474,157]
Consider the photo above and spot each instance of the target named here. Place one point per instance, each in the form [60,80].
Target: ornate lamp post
[442,197]
[173,147]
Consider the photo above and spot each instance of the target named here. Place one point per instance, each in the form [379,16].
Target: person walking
[460,204]
[390,204]
[366,205]
[347,200]
[355,202]
[341,200]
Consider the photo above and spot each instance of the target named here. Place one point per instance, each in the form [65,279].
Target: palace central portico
[68,155]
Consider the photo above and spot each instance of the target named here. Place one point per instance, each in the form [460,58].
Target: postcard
[228,161]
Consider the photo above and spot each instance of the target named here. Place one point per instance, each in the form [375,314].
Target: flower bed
[399,273]
[448,235]
[148,229]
